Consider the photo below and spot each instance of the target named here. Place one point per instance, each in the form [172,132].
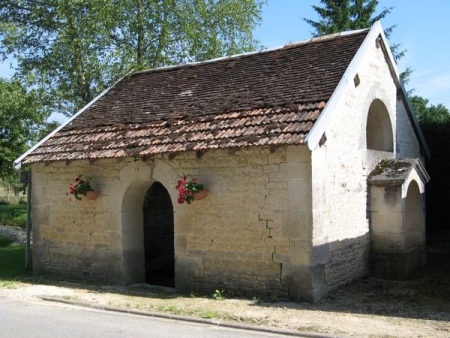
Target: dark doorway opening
[159,237]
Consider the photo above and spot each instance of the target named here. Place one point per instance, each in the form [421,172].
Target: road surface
[19,319]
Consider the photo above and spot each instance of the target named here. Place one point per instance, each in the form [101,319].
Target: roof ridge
[245,54]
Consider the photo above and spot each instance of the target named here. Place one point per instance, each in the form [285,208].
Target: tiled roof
[266,98]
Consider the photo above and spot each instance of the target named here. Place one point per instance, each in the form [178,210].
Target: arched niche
[379,135]
[414,220]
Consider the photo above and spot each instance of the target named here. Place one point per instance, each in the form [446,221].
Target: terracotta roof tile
[267,98]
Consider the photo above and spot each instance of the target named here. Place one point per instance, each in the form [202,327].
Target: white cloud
[434,87]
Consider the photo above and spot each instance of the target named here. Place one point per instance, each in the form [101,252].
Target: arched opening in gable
[379,135]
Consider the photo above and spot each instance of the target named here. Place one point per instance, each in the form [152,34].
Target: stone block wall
[251,234]
[80,239]
[254,226]
[341,164]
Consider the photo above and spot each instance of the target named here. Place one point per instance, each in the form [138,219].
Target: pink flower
[186,189]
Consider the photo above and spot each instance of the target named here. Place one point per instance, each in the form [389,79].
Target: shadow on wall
[426,297]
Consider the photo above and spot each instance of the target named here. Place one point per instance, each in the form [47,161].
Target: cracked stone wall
[251,234]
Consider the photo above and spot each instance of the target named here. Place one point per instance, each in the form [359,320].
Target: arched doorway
[414,220]
[159,237]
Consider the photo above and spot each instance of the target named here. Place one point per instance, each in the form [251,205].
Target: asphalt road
[41,319]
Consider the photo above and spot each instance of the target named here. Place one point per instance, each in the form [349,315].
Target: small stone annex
[311,155]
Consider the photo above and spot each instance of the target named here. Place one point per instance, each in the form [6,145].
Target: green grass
[13,214]
[12,263]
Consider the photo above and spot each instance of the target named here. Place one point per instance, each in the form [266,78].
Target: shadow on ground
[427,297]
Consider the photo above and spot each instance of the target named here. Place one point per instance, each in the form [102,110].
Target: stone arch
[379,133]
[159,236]
[414,220]
[397,218]
[135,180]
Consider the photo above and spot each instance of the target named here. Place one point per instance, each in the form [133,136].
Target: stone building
[311,155]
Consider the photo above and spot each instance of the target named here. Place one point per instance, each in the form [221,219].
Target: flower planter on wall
[92,195]
[200,195]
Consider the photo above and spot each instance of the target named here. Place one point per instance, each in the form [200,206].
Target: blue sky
[422,28]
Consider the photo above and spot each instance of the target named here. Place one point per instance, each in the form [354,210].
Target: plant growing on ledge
[190,190]
[79,188]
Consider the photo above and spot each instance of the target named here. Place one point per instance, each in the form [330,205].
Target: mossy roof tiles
[266,98]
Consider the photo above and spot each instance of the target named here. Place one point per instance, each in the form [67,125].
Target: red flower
[79,188]
[187,189]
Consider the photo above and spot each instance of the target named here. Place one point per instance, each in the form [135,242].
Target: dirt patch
[366,308]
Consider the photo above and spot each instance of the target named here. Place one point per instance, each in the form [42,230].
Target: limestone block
[300,251]
[255,229]
[115,242]
[107,220]
[186,269]
[267,213]
[163,172]
[298,154]
[293,171]
[321,254]
[272,243]
[131,237]
[386,222]
[277,186]
[279,156]
[385,198]
[133,265]
[271,168]
[387,243]
[297,224]
[184,223]
[300,195]
[277,200]
[131,220]
[311,295]
[281,258]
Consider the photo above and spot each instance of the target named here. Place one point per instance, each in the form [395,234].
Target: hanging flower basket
[190,190]
[92,195]
[80,188]
[200,195]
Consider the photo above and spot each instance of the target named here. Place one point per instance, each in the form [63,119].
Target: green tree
[429,114]
[22,119]
[342,15]
[76,48]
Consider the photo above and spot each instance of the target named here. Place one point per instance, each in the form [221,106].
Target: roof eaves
[18,162]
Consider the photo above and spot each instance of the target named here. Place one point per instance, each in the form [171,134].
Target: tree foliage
[429,114]
[342,15]
[22,120]
[76,48]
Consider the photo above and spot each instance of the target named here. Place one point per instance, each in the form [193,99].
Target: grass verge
[12,264]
